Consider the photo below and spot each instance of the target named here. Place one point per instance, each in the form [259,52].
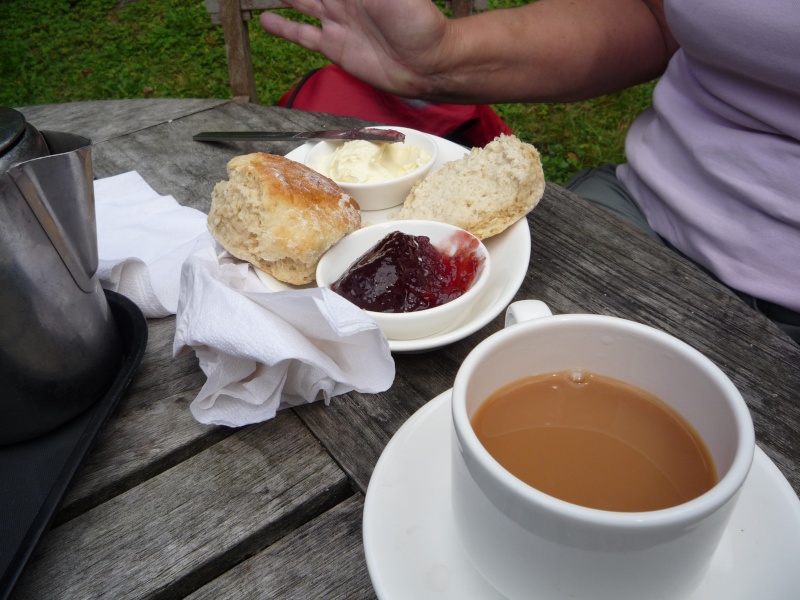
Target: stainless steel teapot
[59,345]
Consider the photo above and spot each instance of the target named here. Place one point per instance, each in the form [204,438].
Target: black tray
[36,474]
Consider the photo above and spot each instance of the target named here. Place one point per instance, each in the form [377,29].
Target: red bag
[332,90]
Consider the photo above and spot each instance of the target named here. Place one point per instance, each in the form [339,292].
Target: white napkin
[261,350]
[264,350]
[143,239]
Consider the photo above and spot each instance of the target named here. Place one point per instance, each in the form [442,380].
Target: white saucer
[510,252]
[412,550]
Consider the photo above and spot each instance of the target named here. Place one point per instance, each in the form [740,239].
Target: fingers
[301,34]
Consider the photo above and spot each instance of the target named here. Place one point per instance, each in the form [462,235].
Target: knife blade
[366,133]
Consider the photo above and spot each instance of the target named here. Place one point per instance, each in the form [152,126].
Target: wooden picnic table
[164,507]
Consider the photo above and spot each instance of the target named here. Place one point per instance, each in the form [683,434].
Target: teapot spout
[60,192]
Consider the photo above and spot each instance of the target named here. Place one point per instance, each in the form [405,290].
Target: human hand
[393,45]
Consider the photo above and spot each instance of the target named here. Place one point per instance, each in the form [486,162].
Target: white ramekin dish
[385,194]
[410,325]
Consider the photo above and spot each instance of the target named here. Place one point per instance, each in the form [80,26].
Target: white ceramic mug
[529,544]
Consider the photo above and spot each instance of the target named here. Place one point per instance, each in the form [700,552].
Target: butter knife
[367,133]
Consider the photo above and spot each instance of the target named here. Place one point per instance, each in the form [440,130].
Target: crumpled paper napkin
[143,239]
[260,350]
[264,350]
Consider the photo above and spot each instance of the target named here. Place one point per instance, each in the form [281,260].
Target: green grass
[68,50]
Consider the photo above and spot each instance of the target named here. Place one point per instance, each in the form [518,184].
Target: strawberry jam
[406,273]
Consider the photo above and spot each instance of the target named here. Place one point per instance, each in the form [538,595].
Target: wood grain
[187,525]
[331,543]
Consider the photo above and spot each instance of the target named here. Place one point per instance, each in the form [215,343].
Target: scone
[280,215]
[484,192]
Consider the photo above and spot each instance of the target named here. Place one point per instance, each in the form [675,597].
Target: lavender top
[715,163]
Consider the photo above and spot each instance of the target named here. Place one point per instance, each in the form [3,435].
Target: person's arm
[549,50]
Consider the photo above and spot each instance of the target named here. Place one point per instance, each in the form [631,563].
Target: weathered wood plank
[186,526]
[376,417]
[151,430]
[329,544]
[103,120]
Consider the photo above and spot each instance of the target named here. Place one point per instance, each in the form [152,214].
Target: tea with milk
[594,441]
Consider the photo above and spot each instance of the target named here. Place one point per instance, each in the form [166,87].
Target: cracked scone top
[280,215]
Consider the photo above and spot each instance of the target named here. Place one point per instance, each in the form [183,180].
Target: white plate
[510,252]
[412,550]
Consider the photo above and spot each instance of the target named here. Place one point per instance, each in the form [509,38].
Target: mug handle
[525,310]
